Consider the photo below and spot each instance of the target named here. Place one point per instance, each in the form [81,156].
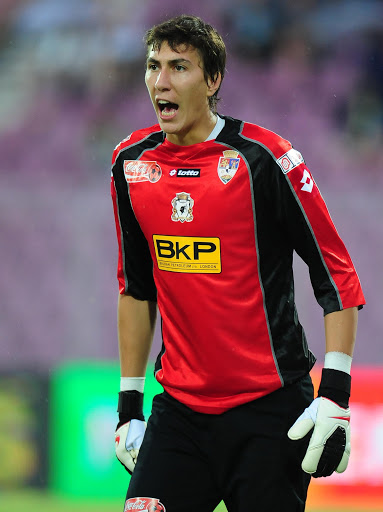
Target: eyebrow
[173,62]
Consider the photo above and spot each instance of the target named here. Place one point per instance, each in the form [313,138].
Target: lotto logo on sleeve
[188,254]
[290,160]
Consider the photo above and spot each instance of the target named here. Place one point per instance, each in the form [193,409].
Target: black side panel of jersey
[275,257]
[158,363]
[137,261]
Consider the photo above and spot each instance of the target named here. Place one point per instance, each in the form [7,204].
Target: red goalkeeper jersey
[208,231]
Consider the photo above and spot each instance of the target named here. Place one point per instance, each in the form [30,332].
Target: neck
[194,135]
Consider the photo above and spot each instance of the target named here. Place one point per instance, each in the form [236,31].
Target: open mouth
[167,109]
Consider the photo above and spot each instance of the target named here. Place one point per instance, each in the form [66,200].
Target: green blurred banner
[23,429]
[83,418]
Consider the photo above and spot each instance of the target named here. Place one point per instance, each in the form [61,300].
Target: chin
[167,128]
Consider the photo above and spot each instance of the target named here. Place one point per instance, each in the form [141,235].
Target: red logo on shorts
[144,505]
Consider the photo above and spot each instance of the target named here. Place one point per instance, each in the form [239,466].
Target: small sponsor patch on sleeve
[289,160]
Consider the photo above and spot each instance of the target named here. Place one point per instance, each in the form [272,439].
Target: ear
[213,85]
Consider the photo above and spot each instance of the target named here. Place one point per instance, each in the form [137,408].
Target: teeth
[167,108]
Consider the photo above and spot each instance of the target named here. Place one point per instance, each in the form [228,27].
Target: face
[179,93]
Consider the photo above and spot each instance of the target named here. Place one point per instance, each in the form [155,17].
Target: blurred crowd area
[72,86]
[72,77]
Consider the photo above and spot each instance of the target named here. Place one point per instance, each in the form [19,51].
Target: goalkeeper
[209,211]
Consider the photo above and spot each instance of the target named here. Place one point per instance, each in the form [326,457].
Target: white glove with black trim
[131,428]
[329,447]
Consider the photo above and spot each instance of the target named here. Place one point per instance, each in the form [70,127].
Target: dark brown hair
[191,30]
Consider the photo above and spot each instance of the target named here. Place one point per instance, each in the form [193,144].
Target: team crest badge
[228,165]
[182,207]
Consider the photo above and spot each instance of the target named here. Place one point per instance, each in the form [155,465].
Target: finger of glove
[344,462]
[135,435]
[305,422]
[311,459]
[316,447]
[300,428]
[134,455]
[333,451]
[126,460]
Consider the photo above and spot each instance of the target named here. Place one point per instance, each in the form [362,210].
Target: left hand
[329,447]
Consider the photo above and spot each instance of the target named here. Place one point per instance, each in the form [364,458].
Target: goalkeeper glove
[329,417]
[130,429]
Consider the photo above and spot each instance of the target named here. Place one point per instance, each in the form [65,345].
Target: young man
[208,211]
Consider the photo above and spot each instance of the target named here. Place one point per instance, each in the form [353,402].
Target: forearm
[136,323]
[329,414]
[340,330]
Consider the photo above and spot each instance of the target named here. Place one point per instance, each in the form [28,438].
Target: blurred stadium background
[71,87]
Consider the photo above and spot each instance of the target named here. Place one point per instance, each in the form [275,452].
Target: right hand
[128,440]
[130,429]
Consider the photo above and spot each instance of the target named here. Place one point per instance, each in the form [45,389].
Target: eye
[178,67]
[152,67]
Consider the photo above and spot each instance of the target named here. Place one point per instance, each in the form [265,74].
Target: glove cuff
[336,386]
[130,406]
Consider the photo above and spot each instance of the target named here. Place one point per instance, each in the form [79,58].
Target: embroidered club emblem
[228,165]
[182,207]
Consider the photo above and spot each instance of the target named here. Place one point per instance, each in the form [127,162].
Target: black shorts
[190,461]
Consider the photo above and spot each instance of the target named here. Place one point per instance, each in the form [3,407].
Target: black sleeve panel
[297,230]
[135,265]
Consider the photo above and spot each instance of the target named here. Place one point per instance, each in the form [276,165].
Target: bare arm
[135,324]
[340,330]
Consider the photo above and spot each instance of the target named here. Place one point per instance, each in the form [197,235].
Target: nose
[163,81]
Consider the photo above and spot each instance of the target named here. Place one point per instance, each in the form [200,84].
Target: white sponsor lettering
[184,172]
[136,505]
[188,172]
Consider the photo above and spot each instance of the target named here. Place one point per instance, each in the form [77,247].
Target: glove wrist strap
[130,405]
[336,386]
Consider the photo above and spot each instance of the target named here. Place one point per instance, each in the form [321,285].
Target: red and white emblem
[137,170]
[144,505]
[290,160]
